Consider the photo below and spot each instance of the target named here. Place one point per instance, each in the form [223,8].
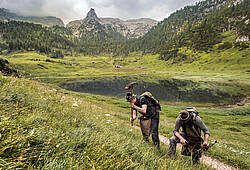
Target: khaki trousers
[145,128]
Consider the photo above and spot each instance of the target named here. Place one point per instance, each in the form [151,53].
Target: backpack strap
[191,125]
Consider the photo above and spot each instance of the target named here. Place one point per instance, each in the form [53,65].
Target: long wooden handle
[131,107]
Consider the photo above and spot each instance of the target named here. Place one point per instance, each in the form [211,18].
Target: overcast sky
[69,10]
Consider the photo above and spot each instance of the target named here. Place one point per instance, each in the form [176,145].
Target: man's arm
[143,102]
[205,130]
[176,131]
[142,109]
[134,115]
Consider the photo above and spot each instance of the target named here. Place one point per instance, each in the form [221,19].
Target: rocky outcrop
[242,38]
[5,68]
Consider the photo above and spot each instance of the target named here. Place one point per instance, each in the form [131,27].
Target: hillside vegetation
[198,27]
[19,96]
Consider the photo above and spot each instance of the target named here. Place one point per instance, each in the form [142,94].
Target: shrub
[241,45]
[225,45]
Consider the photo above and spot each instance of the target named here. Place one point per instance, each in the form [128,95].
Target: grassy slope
[45,128]
[228,64]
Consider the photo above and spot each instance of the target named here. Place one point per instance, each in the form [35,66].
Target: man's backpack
[193,112]
[154,105]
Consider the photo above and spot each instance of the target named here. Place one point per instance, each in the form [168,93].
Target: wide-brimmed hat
[185,115]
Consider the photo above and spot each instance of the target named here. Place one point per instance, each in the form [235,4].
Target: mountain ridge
[132,28]
[44,20]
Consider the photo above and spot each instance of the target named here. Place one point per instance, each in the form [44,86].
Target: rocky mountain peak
[91,14]
[133,28]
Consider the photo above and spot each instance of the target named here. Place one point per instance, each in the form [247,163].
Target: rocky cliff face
[47,21]
[131,28]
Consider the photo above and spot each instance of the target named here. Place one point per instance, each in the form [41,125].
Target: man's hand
[132,105]
[205,145]
[183,141]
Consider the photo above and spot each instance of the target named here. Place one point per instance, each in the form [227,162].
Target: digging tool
[205,148]
[130,86]
[191,146]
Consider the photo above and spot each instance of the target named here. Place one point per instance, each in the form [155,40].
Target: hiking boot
[196,161]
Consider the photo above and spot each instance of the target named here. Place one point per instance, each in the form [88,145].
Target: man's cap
[129,94]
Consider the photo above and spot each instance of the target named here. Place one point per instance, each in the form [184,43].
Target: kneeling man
[190,137]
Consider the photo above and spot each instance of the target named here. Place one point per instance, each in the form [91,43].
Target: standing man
[190,137]
[149,108]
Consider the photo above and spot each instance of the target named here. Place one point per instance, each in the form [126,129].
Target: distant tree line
[30,37]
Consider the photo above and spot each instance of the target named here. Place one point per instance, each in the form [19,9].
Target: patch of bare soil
[214,79]
[243,102]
